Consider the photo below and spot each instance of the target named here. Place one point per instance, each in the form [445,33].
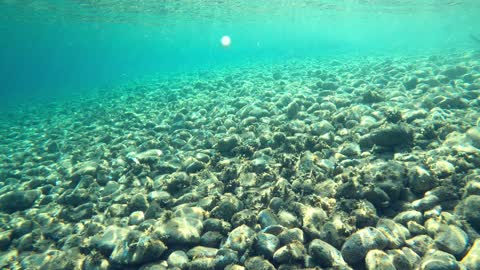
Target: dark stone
[18,200]
[391,136]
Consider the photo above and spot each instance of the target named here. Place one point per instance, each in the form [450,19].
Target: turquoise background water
[57,48]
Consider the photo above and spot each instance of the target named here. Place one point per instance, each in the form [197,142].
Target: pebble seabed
[370,163]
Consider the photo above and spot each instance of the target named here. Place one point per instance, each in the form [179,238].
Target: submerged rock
[359,243]
[472,258]
[391,136]
[325,254]
[453,240]
[240,239]
[137,251]
[180,230]
[18,200]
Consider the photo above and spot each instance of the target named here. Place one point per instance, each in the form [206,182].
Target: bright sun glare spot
[226,41]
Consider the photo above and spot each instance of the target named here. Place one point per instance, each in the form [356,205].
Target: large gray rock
[359,243]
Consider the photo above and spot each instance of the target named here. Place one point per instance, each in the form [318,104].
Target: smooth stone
[415,229]
[178,258]
[147,156]
[211,239]
[420,180]
[358,244]
[217,225]
[145,249]
[84,168]
[291,235]
[202,263]
[321,127]
[313,218]
[325,254]
[136,218]
[5,239]
[199,251]
[409,215]
[258,263]
[396,233]
[180,230]
[404,258]
[425,203]
[274,229]
[472,210]
[473,134]
[443,168]
[138,202]
[350,150]
[244,217]
[237,267]
[472,188]
[420,244]
[225,257]
[226,145]
[438,260]
[109,239]
[472,258]
[266,244]
[394,135]
[290,253]
[240,239]
[377,259]
[190,212]
[194,166]
[18,200]
[227,207]
[452,240]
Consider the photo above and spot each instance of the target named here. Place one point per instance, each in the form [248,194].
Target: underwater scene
[240,135]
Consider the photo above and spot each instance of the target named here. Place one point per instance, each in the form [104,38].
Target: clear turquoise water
[55,48]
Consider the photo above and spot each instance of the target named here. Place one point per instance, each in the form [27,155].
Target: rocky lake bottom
[359,163]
